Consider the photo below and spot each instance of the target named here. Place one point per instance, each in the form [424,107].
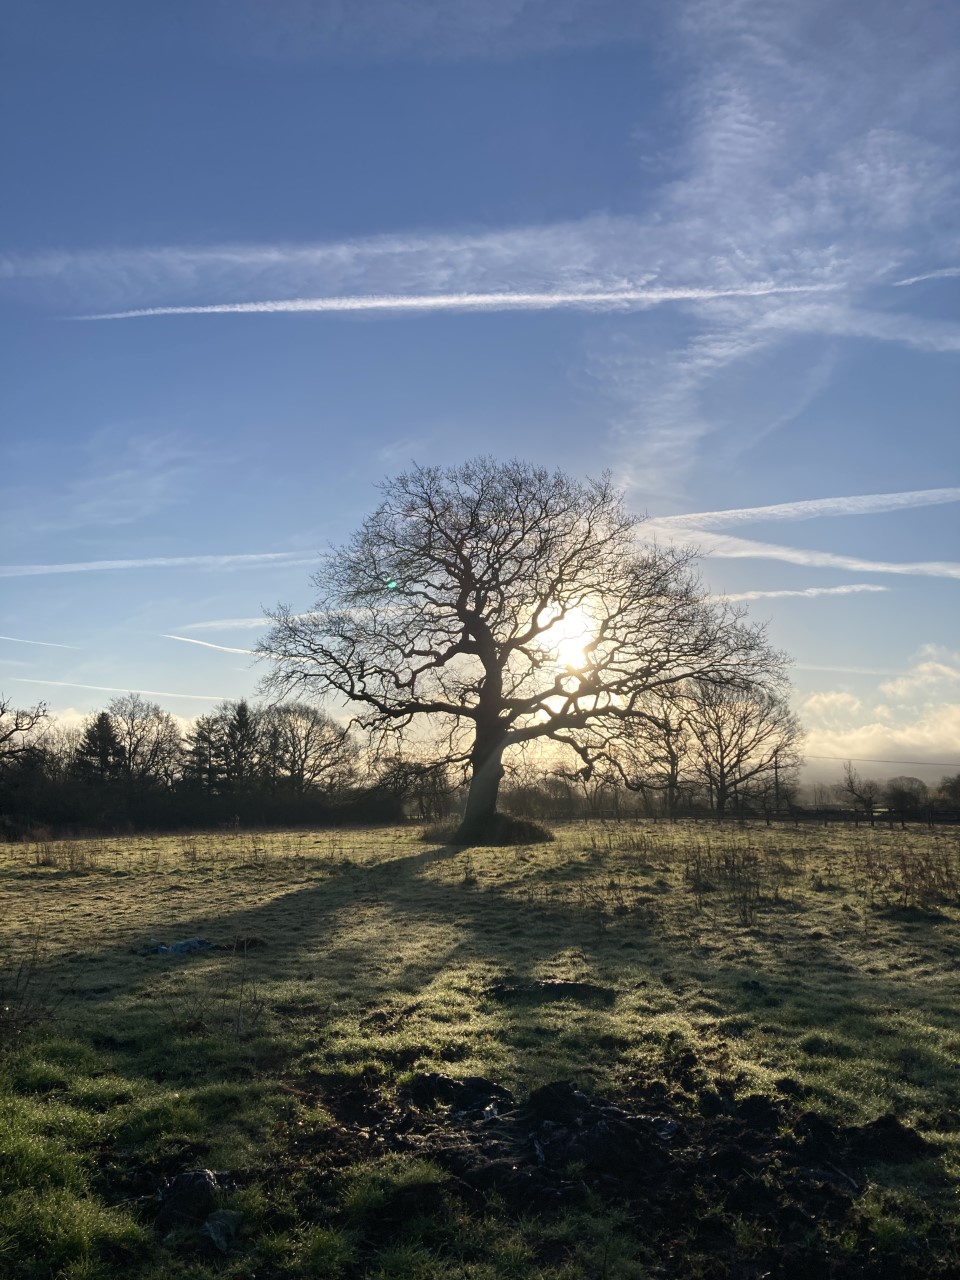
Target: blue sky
[710,246]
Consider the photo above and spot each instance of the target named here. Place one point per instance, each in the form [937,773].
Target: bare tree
[864,792]
[651,752]
[312,751]
[18,728]
[744,737]
[150,739]
[507,604]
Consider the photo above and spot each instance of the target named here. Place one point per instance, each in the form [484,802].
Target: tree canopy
[506,604]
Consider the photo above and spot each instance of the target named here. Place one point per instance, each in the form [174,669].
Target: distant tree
[242,742]
[506,604]
[743,738]
[100,752]
[150,740]
[651,753]
[307,749]
[905,797]
[59,743]
[18,729]
[203,758]
[423,786]
[864,792]
[948,790]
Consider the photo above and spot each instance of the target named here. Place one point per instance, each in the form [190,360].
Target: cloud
[804,145]
[205,643]
[252,561]
[944,273]
[105,688]
[850,671]
[225,624]
[47,644]
[130,477]
[807,593]
[604,300]
[928,740]
[427,29]
[935,674]
[723,546]
[814,508]
[919,723]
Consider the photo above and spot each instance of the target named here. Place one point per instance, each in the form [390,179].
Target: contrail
[807,593]
[282,559]
[812,508]
[47,644]
[600,300]
[225,624]
[205,643]
[945,273]
[107,688]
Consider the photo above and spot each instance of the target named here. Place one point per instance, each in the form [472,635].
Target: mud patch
[692,1185]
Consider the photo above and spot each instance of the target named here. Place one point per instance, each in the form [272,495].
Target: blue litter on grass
[183,948]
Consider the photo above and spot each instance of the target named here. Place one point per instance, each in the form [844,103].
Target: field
[641,1050]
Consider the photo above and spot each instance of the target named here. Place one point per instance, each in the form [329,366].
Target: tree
[652,751]
[949,790]
[100,753]
[17,729]
[744,739]
[149,739]
[506,604]
[864,792]
[307,749]
[905,796]
[226,750]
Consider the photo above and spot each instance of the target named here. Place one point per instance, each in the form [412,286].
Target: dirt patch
[793,1178]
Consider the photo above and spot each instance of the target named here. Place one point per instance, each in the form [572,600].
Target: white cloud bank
[918,722]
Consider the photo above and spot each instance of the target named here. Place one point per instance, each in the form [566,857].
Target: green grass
[813,965]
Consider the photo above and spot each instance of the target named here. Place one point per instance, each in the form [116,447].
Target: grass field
[762,1027]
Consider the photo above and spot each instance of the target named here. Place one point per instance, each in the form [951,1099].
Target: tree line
[135,766]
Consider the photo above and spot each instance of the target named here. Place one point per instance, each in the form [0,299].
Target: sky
[256,257]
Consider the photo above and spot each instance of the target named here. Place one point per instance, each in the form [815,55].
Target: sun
[568,637]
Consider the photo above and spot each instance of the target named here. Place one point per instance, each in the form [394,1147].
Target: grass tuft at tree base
[498,831]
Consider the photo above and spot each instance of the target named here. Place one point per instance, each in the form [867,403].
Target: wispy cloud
[814,508]
[225,624]
[807,593]
[47,644]
[723,546]
[427,29]
[944,273]
[604,300]
[129,476]
[252,561]
[849,671]
[106,688]
[205,643]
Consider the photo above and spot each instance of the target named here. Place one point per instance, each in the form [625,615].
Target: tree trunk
[481,808]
